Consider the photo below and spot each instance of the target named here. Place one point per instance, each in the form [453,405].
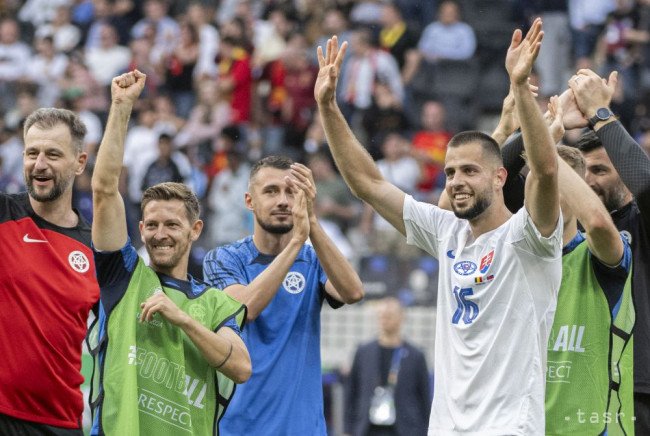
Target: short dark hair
[588,141]
[278,162]
[50,117]
[488,144]
[173,191]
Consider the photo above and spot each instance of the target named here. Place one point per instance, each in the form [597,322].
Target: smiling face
[271,199]
[50,162]
[168,234]
[472,180]
[603,178]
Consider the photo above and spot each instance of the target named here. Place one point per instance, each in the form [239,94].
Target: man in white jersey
[499,272]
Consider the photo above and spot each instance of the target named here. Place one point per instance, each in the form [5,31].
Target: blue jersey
[284,396]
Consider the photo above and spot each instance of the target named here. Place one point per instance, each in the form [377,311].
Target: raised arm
[542,197]
[357,167]
[109,219]
[343,283]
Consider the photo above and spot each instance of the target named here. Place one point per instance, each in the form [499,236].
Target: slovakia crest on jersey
[465,267]
[486,261]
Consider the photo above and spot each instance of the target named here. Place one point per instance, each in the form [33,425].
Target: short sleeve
[114,266]
[424,224]
[221,269]
[527,236]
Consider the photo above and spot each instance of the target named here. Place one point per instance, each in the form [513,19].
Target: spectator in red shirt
[235,78]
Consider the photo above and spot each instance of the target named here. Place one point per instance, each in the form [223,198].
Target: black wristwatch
[602,114]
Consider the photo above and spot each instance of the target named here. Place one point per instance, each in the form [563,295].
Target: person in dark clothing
[163,169]
[388,364]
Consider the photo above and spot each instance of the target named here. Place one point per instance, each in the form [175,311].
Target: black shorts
[10,426]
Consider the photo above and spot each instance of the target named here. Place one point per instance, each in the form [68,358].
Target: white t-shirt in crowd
[496,302]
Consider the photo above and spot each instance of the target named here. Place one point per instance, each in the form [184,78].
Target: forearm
[259,293]
[106,174]
[356,165]
[339,271]
[539,146]
[626,155]
[227,354]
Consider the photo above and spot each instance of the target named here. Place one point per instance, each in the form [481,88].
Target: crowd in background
[230,81]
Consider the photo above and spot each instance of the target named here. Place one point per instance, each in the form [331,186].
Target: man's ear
[197,228]
[248,199]
[500,177]
[82,159]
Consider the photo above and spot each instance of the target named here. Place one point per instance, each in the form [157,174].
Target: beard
[481,204]
[55,192]
[614,198]
[276,229]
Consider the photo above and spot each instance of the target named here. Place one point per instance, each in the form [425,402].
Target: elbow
[243,372]
[355,296]
[598,222]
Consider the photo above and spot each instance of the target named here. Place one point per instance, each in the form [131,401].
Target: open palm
[330,69]
[523,52]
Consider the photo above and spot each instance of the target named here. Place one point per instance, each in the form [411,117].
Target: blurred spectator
[448,37]
[366,12]
[109,59]
[39,12]
[400,169]
[395,35]
[235,79]
[230,138]
[14,55]
[166,30]
[76,102]
[46,69]
[197,15]
[142,60]
[179,69]
[78,82]
[66,35]
[388,391]
[102,14]
[334,202]
[207,118]
[430,146]
[384,116]
[366,66]
[26,103]
[335,22]
[167,120]
[417,13]
[163,169]
[553,61]
[587,19]
[11,160]
[229,219]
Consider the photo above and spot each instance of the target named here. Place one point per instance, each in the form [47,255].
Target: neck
[490,219]
[390,340]
[58,212]
[270,243]
[178,271]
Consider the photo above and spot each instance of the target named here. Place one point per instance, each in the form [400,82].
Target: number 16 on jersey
[467,309]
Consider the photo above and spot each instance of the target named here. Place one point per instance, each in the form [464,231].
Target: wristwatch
[602,114]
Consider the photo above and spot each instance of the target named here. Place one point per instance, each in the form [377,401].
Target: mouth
[461,196]
[39,179]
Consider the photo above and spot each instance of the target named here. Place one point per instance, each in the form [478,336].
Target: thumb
[612,81]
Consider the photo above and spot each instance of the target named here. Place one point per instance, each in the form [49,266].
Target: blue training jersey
[284,396]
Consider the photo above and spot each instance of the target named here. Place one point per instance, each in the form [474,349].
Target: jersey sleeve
[424,224]
[526,235]
[612,279]
[115,266]
[221,268]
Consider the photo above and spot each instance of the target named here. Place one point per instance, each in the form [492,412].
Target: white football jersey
[496,301]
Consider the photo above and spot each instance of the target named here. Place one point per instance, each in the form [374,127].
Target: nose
[41,162]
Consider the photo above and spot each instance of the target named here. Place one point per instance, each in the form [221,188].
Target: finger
[587,72]
[534,30]
[612,81]
[139,75]
[328,52]
[335,48]
[341,54]
[516,39]
[321,58]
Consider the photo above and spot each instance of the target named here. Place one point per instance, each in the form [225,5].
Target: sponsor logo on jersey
[486,261]
[294,282]
[450,254]
[624,233]
[197,312]
[465,267]
[27,239]
[78,261]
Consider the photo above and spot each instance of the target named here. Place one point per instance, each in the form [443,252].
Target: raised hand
[592,91]
[300,216]
[523,52]
[555,119]
[509,121]
[126,88]
[330,69]
[573,117]
[302,179]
